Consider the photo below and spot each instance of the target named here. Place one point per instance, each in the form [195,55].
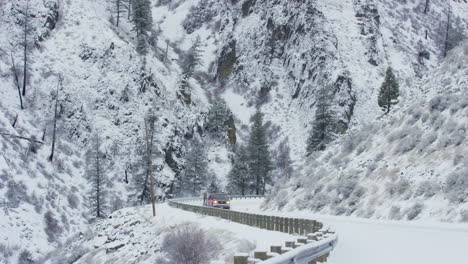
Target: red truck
[218,200]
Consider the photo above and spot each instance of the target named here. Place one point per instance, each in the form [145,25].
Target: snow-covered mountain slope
[410,164]
[278,53]
[106,89]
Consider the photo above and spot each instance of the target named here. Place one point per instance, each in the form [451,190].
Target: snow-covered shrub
[340,210]
[428,189]
[464,216]
[320,201]
[398,188]
[414,211]
[282,198]
[73,200]
[379,156]
[428,139]
[371,166]
[25,258]
[439,103]
[408,143]
[52,227]
[188,243]
[344,188]
[399,134]
[5,253]
[202,13]
[395,213]
[16,194]
[456,187]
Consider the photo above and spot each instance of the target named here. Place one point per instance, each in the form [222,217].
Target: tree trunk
[25,51]
[15,74]
[118,12]
[129,9]
[14,122]
[426,7]
[98,181]
[447,33]
[150,167]
[54,133]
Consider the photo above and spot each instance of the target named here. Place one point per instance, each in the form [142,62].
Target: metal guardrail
[315,244]
[274,223]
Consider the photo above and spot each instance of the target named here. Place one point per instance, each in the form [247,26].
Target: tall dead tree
[26,24]
[150,163]
[119,9]
[447,32]
[129,8]
[426,7]
[54,132]
[14,71]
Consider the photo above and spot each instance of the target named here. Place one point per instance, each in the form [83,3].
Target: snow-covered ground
[132,235]
[364,241]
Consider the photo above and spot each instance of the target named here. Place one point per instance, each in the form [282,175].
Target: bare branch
[21,137]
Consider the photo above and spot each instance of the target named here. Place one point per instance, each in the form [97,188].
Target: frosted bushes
[395,213]
[414,211]
[320,201]
[52,227]
[398,188]
[399,134]
[410,141]
[456,187]
[188,243]
[427,189]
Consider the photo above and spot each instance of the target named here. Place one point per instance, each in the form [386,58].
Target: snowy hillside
[408,165]
[209,65]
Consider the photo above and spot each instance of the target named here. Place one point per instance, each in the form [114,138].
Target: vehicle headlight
[215,202]
[228,202]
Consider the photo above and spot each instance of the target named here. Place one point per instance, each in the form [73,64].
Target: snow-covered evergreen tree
[284,163]
[323,127]
[239,178]
[195,175]
[190,62]
[389,91]
[143,20]
[97,177]
[218,117]
[119,8]
[260,163]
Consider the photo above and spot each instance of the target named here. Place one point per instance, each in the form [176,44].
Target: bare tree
[129,8]
[447,33]
[25,42]
[119,9]
[150,163]
[426,7]
[54,132]
[14,71]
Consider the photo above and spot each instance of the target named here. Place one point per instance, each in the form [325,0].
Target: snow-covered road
[363,241]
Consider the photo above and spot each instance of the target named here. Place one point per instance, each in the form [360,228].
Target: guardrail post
[275,249]
[262,255]
[291,225]
[296,226]
[241,259]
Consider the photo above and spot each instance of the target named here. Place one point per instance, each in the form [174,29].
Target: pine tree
[218,117]
[389,92]
[143,20]
[239,177]
[260,163]
[283,160]
[194,178]
[190,62]
[97,177]
[323,127]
